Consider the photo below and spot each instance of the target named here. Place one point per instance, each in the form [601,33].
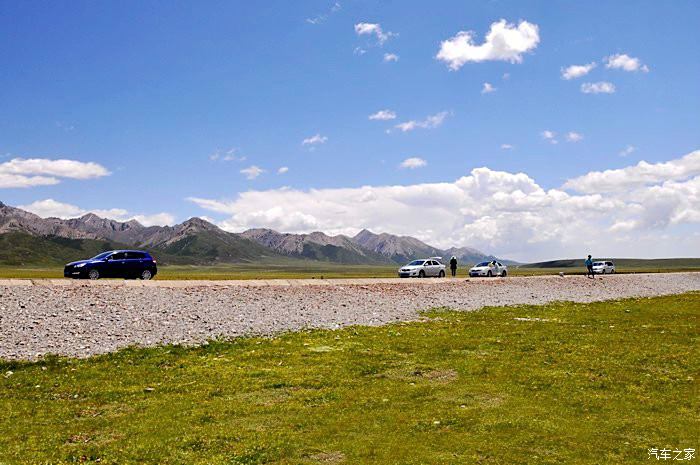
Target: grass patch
[306,270]
[561,383]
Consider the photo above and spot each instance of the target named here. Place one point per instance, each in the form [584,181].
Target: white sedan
[606,267]
[423,268]
[492,268]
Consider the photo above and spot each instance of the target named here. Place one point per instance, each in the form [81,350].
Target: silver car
[492,268]
[604,267]
[423,268]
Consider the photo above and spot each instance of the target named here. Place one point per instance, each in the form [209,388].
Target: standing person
[453,266]
[589,267]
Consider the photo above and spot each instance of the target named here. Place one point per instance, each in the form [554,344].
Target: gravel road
[86,318]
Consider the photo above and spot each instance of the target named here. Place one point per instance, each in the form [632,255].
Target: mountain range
[27,239]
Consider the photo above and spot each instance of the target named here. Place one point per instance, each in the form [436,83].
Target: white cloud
[430,122]
[601,87]
[383,115]
[320,18]
[500,212]
[549,136]
[625,63]
[641,174]
[252,172]
[373,29]
[487,88]
[316,139]
[28,172]
[282,170]
[413,163]
[507,146]
[226,155]
[627,150]
[158,219]
[504,42]
[576,71]
[572,136]
[50,208]
[390,57]
[359,51]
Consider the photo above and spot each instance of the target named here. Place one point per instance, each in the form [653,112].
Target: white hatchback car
[423,268]
[604,267]
[492,268]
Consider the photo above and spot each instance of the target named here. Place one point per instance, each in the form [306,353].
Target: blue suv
[127,264]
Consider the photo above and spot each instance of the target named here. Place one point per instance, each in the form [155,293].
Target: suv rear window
[135,255]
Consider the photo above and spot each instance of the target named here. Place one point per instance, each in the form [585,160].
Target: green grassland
[25,256]
[294,269]
[561,383]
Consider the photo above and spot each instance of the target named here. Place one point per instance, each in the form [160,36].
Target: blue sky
[175,99]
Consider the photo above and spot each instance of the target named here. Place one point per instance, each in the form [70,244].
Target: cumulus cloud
[626,63]
[507,146]
[500,212]
[549,136]
[413,163]
[503,42]
[641,174]
[627,150]
[572,136]
[28,172]
[282,170]
[316,139]
[601,87]
[50,208]
[390,57]
[576,71]
[383,115]
[487,88]
[252,172]
[430,122]
[374,29]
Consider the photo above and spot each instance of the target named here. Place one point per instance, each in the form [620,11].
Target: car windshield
[101,256]
[483,264]
[416,262]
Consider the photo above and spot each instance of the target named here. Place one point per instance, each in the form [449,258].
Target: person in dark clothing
[453,266]
[589,268]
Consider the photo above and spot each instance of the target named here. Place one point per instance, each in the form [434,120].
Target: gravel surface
[86,319]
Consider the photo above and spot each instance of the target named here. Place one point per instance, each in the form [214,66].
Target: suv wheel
[421,274]
[442,274]
[504,274]
[146,275]
[94,274]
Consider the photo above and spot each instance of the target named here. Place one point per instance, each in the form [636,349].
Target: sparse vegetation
[561,383]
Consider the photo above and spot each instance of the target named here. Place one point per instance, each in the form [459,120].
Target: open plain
[79,318]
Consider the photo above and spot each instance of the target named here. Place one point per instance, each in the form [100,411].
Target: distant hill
[194,241]
[28,239]
[22,249]
[401,249]
[316,246]
[653,263]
